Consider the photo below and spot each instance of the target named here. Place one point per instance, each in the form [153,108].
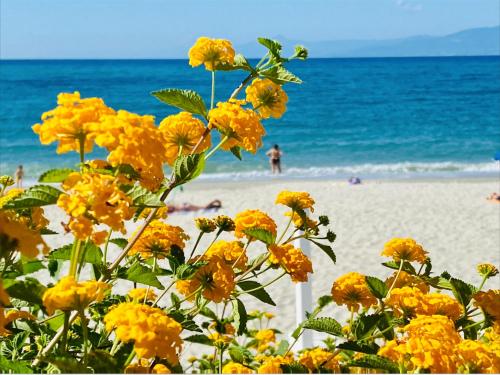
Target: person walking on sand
[275,159]
[19,177]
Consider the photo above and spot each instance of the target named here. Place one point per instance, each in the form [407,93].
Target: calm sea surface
[375,118]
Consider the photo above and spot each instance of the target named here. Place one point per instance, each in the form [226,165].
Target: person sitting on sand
[354,181]
[187,207]
[19,177]
[275,159]
[494,197]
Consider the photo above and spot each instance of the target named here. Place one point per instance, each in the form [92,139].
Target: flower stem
[105,255]
[65,331]
[402,262]
[212,98]
[85,332]
[485,277]
[223,140]
[75,257]
[196,245]
[265,285]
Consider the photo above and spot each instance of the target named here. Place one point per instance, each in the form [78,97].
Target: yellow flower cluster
[215,279]
[11,316]
[68,294]
[405,279]
[94,199]
[297,201]
[9,195]
[205,225]
[181,133]
[139,294]
[489,301]
[211,52]
[317,358]
[29,242]
[272,365]
[143,367]
[485,269]
[231,252]
[351,290]
[74,120]
[264,338]
[477,357]
[298,221]
[157,240]
[410,301]
[241,126]
[293,261]
[153,332]
[405,249]
[267,97]
[134,140]
[253,219]
[236,368]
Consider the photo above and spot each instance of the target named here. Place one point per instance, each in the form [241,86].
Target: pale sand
[451,219]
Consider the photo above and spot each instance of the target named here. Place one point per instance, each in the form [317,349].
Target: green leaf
[91,253]
[261,235]
[142,197]
[55,175]
[407,267]
[68,364]
[462,291]
[324,300]
[327,325]
[120,242]
[327,249]
[294,368]
[360,347]
[240,316]
[280,75]
[365,324]
[47,231]
[16,367]
[282,348]
[30,290]
[30,266]
[199,339]
[187,100]
[240,354]
[205,311]
[186,271]
[102,362]
[186,322]
[377,287]
[273,46]
[35,196]
[188,167]
[56,322]
[375,362]
[141,274]
[260,294]
[236,151]
[240,63]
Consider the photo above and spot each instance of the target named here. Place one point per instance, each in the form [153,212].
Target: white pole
[303,300]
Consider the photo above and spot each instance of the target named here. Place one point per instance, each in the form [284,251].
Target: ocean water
[374,118]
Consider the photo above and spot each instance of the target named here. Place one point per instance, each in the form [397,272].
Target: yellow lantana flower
[405,249]
[293,261]
[317,358]
[68,294]
[405,279]
[267,97]
[264,338]
[236,368]
[272,365]
[10,316]
[157,240]
[241,126]
[351,290]
[138,294]
[253,219]
[231,252]
[296,200]
[181,133]
[29,242]
[489,302]
[211,52]
[477,357]
[153,332]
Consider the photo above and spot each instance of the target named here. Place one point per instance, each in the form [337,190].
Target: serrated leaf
[364,325]
[260,293]
[407,267]
[186,322]
[375,362]
[16,367]
[120,242]
[280,75]
[30,289]
[102,362]
[261,235]
[462,291]
[327,325]
[327,249]
[187,271]
[236,151]
[47,231]
[35,196]
[294,368]
[91,253]
[273,46]
[240,316]
[67,364]
[282,348]
[240,354]
[324,300]
[142,197]
[188,167]
[30,266]
[377,287]
[55,175]
[360,347]
[199,339]
[141,274]
[187,100]
[205,311]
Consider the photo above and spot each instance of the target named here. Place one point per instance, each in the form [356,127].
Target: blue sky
[166,28]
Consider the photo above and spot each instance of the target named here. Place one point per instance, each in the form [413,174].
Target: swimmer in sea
[275,159]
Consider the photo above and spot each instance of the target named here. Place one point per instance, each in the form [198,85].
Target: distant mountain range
[470,42]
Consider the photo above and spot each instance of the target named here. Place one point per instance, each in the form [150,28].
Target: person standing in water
[275,159]
[19,177]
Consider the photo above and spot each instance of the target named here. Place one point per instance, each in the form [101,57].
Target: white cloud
[409,6]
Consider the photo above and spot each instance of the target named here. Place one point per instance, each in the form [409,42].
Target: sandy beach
[450,218]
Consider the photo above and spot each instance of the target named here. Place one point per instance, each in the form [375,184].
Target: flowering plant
[187,292]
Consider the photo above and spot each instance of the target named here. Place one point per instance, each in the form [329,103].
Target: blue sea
[373,118]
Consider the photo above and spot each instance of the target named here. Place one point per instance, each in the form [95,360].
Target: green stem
[129,358]
[105,255]
[351,321]
[485,277]
[196,245]
[80,260]
[65,331]
[396,278]
[209,246]
[286,229]
[263,286]
[252,268]
[221,356]
[223,140]
[212,99]
[155,261]
[75,256]
[81,141]
[163,293]
[85,332]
